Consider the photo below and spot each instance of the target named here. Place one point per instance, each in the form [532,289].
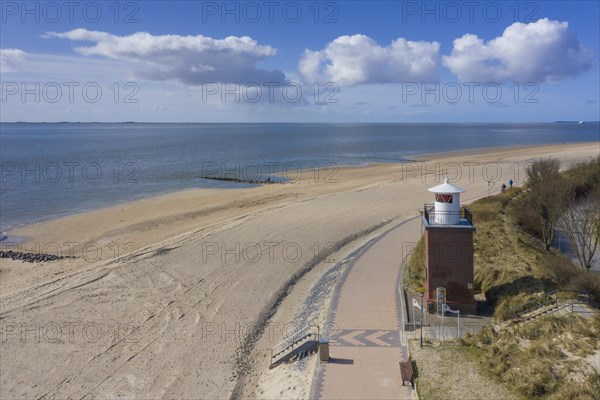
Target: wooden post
[571,316]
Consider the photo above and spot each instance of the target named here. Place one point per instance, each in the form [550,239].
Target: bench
[406,371]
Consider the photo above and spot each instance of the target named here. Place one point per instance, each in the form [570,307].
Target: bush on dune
[544,358]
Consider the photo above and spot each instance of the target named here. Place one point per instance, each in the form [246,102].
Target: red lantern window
[443,198]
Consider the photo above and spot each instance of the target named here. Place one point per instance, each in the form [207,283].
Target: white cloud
[189,59]
[11,59]
[358,59]
[541,51]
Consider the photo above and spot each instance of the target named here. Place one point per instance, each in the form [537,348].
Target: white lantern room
[446,210]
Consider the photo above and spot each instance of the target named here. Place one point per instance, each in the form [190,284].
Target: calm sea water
[51,170]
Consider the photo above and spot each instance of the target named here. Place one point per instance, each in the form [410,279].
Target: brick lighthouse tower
[449,250]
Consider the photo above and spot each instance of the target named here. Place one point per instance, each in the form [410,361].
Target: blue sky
[300,61]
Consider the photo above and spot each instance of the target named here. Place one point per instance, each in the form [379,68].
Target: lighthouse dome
[446,188]
[446,209]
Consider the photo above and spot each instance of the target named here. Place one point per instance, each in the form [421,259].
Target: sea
[51,170]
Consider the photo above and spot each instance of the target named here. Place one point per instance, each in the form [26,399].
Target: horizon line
[305,122]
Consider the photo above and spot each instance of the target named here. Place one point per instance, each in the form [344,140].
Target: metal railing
[531,305]
[430,214]
[553,297]
[288,344]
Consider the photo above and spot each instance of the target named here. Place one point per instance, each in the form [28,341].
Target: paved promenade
[366,309]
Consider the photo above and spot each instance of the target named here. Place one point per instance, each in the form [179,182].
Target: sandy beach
[183,295]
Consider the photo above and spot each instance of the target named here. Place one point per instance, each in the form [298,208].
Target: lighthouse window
[443,198]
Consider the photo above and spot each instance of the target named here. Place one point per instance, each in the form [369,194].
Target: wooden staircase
[296,346]
[543,311]
[557,301]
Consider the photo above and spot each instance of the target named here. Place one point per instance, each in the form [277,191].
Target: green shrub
[414,269]
[559,268]
[525,218]
[512,270]
[584,177]
[506,303]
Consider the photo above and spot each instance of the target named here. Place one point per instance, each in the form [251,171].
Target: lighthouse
[448,250]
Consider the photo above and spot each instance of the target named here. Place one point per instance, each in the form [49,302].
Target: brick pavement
[366,348]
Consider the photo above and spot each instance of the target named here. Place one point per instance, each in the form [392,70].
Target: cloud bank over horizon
[541,51]
[358,60]
[189,59]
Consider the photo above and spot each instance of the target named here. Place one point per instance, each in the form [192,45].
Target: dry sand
[182,295]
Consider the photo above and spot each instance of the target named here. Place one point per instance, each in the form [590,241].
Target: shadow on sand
[341,361]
